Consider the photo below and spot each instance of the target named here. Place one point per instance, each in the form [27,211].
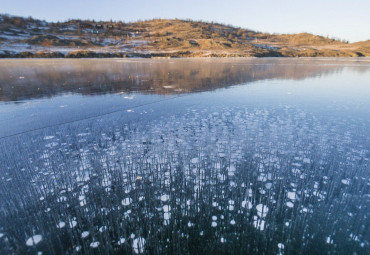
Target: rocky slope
[28,37]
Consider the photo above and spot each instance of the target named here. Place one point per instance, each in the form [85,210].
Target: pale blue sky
[345,19]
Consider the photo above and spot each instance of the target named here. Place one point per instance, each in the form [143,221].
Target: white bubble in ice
[291,195]
[94,244]
[85,234]
[268,185]
[247,204]
[72,224]
[304,210]
[214,224]
[102,229]
[194,160]
[262,210]
[33,240]
[121,241]
[138,245]
[166,208]
[62,199]
[61,224]
[345,181]
[289,204]
[250,192]
[259,224]
[164,198]
[167,216]
[329,240]
[126,201]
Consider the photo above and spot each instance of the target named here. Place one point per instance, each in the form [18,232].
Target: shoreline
[161,55]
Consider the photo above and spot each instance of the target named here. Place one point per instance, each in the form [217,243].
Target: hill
[28,37]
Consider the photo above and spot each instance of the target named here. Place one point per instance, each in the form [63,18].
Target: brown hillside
[161,37]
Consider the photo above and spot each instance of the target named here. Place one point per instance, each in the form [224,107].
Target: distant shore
[159,38]
[177,54]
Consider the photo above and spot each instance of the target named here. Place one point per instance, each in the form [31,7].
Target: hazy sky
[345,19]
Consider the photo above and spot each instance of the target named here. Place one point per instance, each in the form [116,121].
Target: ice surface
[197,176]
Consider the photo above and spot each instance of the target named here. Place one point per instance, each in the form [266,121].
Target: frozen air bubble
[167,216]
[345,181]
[329,240]
[259,224]
[262,210]
[281,246]
[291,195]
[33,240]
[61,224]
[138,245]
[247,204]
[126,201]
[94,244]
[166,208]
[289,204]
[72,224]
[164,198]
[121,241]
[85,234]
[195,160]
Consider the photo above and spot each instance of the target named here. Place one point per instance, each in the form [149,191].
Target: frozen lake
[185,156]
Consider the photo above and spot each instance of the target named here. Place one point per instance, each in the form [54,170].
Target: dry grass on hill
[176,38]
